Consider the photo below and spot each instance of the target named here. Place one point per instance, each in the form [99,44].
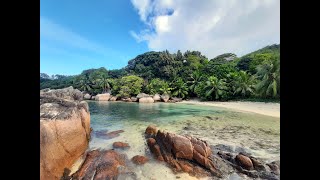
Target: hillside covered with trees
[185,75]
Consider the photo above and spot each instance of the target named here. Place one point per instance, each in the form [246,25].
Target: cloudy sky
[78,35]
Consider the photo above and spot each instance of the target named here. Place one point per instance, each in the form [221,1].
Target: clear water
[258,133]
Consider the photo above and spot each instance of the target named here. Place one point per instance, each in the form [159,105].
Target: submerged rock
[101,165]
[64,131]
[139,159]
[105,135]
[120,145]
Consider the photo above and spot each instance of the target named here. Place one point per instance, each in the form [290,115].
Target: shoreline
[268,109]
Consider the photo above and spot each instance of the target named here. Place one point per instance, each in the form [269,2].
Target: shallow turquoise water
[259,133]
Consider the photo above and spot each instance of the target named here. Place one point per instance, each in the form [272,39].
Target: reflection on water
[260,134]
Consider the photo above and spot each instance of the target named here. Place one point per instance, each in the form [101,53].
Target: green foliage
[194,81]
[215,88]
[269,74]
[244,84]
[156,86]
[180,88]
[129,86]
[252,76]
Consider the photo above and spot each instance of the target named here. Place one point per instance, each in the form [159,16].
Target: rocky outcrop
[251,166]
[151,130]
[244,161]
[175,99]
[87,97]
[66,93]
[139,159]
[102,97]
[195,157]
[165,97]
[64,130]
[113,98]
[126,100]
[93,97]
[183,153]
[143,95]
[98,165]
[146,100]
[134,99]
[156,97]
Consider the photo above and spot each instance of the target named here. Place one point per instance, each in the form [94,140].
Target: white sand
[269,109]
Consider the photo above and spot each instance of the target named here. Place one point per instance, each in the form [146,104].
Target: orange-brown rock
[100,165]
[104,134]
[244,161]
[151,130]
[64,131]
[121,145]
[139,159]
[177,150]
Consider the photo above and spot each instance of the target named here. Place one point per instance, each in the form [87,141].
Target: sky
[81,34]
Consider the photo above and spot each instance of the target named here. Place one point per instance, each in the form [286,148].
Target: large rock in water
[143,95]
[102,97]
[195,157]
[100,165]
[165,97]
[66,93]
[146,100]
[178,151]
[87,96]
[64,131]
[156,97]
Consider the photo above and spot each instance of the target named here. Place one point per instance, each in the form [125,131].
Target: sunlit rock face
[64,130]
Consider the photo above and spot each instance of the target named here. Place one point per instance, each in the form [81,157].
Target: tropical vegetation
[184,75]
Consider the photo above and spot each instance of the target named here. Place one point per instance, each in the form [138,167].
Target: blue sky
[83,34]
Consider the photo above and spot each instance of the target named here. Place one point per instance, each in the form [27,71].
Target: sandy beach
[269,109]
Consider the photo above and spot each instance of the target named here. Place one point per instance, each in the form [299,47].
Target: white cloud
[210,26]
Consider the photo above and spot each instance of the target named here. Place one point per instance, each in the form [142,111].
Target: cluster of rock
[141,98]
[194,156]
[64,130]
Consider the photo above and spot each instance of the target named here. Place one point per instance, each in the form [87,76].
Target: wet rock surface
[64,130]
[120,145]
[104,134]
[195,157]
[139,159]
[101,165]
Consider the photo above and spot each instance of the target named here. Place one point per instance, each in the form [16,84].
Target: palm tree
[215,88]
[194,81]
[243,84]
[180,88]
[269,74]
[165,89]
[103,81]
[85,84]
